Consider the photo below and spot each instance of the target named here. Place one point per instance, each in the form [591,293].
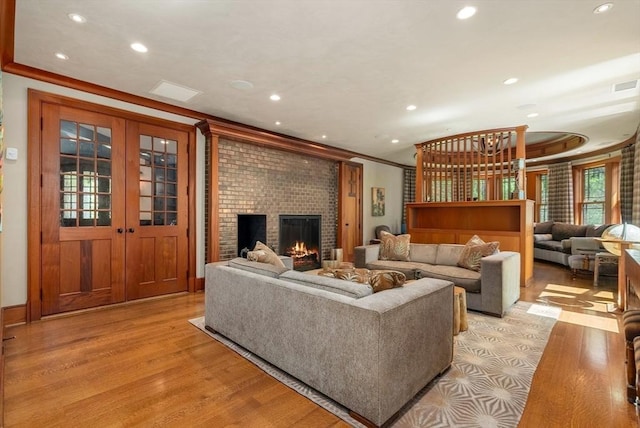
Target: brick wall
[259,180]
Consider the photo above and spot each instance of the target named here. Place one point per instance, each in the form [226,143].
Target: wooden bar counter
[508,222]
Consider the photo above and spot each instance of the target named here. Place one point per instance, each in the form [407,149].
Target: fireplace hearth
[300,239]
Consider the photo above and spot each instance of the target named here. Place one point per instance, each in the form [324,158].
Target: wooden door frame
[341,201]
[35,101]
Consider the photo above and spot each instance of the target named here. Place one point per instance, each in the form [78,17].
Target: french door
[113,209]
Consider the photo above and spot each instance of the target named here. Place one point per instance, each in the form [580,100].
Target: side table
[460,322]
[603,258]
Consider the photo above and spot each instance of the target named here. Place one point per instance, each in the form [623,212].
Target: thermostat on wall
[12,153]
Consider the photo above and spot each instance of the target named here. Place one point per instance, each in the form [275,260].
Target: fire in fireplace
[300,239]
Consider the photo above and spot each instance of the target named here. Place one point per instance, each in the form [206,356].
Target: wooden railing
[476,166]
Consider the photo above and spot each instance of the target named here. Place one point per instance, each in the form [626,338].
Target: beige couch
[492,290]
[369,352]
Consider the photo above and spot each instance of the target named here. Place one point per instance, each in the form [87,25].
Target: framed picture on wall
[377,201]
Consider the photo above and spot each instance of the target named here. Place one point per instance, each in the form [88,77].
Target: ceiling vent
[625,86]
[174,91]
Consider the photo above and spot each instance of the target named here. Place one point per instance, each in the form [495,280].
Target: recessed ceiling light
[275,97]
[533,115]
[510,81]
[77,18]
[60,55]
[466,12]
[605,7]
[395,141]
[324,137]
[278,122]
[139,47]
[411,107]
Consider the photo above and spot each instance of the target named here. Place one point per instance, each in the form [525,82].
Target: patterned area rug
[486,386]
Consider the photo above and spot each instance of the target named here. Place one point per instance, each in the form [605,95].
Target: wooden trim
[192,231]
[36,99]
[7,31]
[16,314]
[232,130]
[34,135]
[213,214]
[199,284]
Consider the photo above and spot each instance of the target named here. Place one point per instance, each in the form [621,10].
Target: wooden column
[521,156]
[213,220]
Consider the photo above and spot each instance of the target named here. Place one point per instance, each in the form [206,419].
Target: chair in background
[382,227]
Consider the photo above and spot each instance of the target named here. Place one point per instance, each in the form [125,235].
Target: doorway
[112,206]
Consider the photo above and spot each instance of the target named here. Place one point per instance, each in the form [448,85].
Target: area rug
[486,386]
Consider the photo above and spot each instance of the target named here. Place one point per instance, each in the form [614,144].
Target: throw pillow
[254,256]
[354,275]
[269,256]
[394,247]
[386,279]
[473,252]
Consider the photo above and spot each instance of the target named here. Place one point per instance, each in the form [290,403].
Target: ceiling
[346,70]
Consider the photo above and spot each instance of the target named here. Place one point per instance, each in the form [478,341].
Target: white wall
[15,221]
[391,178]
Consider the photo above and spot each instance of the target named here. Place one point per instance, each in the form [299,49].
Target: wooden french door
[157,210]
[349,208]
[114,209]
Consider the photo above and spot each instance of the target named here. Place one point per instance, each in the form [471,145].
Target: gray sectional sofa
[554,241]
[370,352]
[492,290]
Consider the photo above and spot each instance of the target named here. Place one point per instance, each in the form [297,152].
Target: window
[542,200]
[593,195]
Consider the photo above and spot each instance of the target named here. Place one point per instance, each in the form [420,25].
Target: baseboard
[199,284]
[16,314]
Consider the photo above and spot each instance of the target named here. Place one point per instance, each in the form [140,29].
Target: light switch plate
[12,153]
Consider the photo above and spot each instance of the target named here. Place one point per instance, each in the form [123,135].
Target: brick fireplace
[260,180]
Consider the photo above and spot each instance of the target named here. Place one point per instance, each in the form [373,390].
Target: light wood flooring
[143,364]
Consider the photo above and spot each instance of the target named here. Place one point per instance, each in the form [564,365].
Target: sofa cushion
[407,268]
[424,253]
[474,250]
[596,231]
[266,269]
[269,256]
[465,278]
[394,247]
[448,254]
[334,285]
[562,231]
[386,279]
[542,237]
[550,245]
[543,227]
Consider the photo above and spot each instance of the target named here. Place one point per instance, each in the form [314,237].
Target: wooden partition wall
[474,184]
[508,222]
[482,165]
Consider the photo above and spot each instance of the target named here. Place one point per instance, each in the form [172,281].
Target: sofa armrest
[364,254]
[500,281]
[585,245]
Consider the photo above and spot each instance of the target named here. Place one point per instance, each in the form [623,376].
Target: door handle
[120,230]
[131,230]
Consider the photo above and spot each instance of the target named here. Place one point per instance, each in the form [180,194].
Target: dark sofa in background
[552,241]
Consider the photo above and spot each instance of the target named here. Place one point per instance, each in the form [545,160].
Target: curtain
[636,179]
[560,192]
[626,183]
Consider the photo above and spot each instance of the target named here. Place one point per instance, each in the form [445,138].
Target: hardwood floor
[143,364]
